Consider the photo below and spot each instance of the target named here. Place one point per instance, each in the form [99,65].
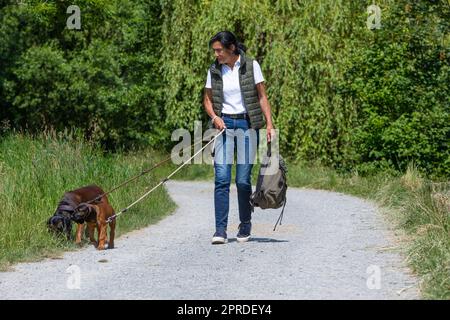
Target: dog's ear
[92,209]
[82,207]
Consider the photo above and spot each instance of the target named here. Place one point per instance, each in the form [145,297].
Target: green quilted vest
[248,90]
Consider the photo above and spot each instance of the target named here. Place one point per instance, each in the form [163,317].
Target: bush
[103,79]
[400,82]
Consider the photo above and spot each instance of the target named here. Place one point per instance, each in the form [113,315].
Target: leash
[99,197]
[162,181]
[127,181]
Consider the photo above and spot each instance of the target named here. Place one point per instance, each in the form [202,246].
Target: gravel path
[330,246]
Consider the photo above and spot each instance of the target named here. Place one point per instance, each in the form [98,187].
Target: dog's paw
[102,246]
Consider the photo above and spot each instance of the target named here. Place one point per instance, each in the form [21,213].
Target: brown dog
[95,215]
[73,204]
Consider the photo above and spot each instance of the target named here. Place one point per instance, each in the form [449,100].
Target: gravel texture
[329,246]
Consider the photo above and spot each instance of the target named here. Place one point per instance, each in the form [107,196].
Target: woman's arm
[207,103]
[265,107]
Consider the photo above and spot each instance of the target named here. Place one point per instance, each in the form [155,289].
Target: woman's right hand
[219,123]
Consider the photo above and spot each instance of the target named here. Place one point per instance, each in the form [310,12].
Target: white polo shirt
[232,98]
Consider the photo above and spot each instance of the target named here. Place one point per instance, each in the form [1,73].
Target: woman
[235,99]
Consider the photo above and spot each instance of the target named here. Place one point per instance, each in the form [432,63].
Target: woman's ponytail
[240,46]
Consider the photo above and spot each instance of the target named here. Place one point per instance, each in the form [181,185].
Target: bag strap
[281,215]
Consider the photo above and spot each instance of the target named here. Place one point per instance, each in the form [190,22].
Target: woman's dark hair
[227,38]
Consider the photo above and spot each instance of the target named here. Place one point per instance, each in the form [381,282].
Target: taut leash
[162,181]
[139,175]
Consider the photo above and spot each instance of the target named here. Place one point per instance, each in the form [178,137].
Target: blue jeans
[237,137]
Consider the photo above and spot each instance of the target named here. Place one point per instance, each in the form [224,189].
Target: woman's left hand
[270,132]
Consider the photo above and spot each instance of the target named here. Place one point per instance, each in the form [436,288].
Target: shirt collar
[236,64]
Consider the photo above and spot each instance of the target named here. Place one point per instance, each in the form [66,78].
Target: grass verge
[36,171]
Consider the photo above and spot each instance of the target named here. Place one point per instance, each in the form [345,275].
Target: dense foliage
[341,94]
[103,78]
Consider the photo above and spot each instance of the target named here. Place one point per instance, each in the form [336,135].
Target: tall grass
[36,171]
[422,208]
